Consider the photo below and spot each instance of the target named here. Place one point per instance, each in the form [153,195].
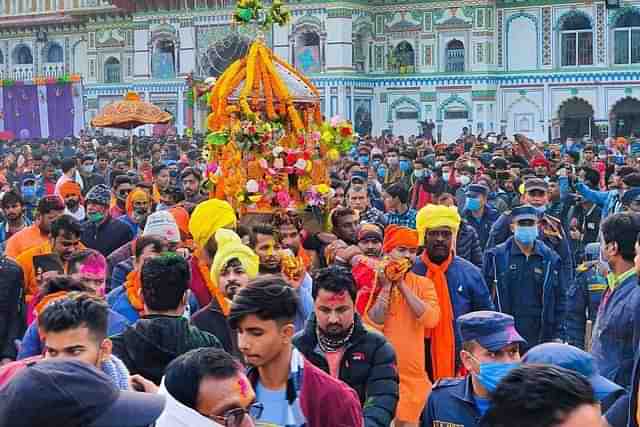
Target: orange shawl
[213,287]
[306,258]
[443,341]
[133,287]
[48,299]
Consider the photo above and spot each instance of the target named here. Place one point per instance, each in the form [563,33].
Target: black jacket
[368,366]
[211,319]
[90,181]
[12,310]
[150,344]
[468,244]
[106,237]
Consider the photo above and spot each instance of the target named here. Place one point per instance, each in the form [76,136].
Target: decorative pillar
[180,119]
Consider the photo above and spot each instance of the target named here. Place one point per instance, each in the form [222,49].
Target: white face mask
[465,180]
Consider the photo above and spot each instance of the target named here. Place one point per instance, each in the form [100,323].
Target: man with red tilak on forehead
[336,341]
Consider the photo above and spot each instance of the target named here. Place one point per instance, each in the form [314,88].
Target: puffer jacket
[149,345]
[468,244]
[368,366]
[12,309]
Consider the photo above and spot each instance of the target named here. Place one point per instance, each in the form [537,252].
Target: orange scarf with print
[133,287]
[213,287]
[443,339]
[306,258]
[48,299]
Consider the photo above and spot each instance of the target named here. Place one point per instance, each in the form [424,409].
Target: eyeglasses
[235,417]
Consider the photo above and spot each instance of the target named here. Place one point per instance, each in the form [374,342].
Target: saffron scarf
[211,286]
[443,341]
[133,287]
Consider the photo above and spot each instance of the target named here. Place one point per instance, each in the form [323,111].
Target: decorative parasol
[130,113]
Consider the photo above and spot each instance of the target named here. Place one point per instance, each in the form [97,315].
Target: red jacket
[324,400]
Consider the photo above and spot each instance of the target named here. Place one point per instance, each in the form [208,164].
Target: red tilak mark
[338,297]
[243,387]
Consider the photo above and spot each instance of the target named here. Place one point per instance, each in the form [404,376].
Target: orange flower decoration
[395,270]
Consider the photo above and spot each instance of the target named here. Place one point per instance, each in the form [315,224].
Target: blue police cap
[477,189]
[592,251]
[492,330]
[522,212]
[574,359]
[535,184]
[631,195]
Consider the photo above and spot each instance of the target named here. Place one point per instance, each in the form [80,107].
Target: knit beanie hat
[162,224]
[100,194]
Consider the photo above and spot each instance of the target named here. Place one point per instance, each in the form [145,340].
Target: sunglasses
[235,417]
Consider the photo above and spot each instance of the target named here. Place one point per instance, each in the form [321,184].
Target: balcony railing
[52,70]
[17,72]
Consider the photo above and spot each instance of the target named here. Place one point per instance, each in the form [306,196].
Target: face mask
[87,168]
[72,204]
[376,164]
[363,160]
[526,234]
[472,204]
[419,173]
[438,164]
[140,215]
[491,373]
[465,180]
[445,176]
[382,172]
[96,217]
[405,166]
[173,174]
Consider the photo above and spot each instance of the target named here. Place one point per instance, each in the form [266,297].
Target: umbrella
[6,135]
[130,113]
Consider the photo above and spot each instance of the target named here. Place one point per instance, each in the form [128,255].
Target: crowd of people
[489,282]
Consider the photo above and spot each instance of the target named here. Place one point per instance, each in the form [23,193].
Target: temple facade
[545,68]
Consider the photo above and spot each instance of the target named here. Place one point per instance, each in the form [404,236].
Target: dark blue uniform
[528,288]
[583,301]
[451,404]
[483,224]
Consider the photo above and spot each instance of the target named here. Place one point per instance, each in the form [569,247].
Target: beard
[335,332]
[269,269]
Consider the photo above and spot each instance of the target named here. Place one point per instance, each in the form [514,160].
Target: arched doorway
[307,58]
[455,57]
[625,117]
[576,119]
[22,55]
[112,70]
[403,58]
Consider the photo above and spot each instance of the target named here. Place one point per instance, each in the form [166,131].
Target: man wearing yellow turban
[233,266]
[207,218]
[459,284]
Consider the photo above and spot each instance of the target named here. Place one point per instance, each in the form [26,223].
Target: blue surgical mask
[376,164]
[405,165]
[29,192]
[541,209]
[526,234]
[472,204]
[382,172]
[419,173]
[364,160]
[445,176]
[491,373]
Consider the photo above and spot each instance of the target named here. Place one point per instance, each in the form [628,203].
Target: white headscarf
[176,414]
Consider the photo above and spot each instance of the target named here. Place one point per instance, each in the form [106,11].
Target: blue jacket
[617,332]
[467,290]
[119,302]
[483,224]
[583,301]
[609,201]
[32,346]
[135,228]
[4,231]
[561,244]
[451,403]
[504,269]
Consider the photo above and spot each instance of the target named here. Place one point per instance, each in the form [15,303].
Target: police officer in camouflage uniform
[488,338]
[583,298]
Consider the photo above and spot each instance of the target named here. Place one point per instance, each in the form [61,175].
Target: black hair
[155,171]
[334,279]
[632,179]
[400,191]
[121,179]
[592,177]
[184,374]
[11,198]
[264,229]
[145,241]
[339,213]
[625,170]
[66,224]
[191,171]
[76,311]
[102,154]
[622,228]
[62,283]
[537,396]
[165,279]
[393,150]
[268,297]
[68,164]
